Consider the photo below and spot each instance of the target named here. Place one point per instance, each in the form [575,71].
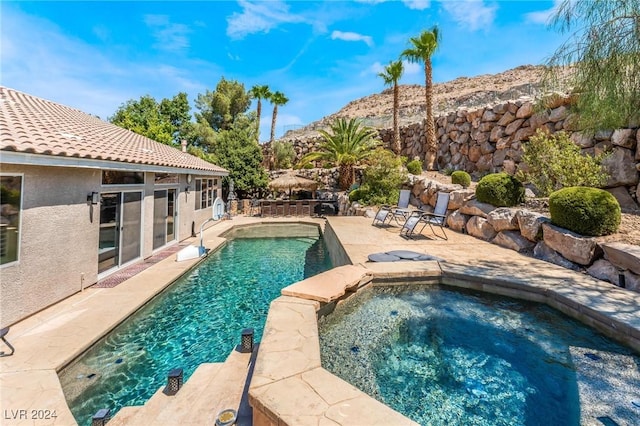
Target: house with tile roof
[81,198]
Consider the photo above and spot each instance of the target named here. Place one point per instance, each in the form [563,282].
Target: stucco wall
[58,240]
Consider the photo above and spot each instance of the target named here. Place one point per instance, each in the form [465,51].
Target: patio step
[210,389]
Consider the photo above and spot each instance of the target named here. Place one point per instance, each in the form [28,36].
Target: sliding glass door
[120,229]
[164,215]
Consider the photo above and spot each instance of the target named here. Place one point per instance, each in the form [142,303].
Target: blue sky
[95,55]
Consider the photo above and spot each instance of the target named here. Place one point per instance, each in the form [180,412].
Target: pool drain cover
[226,417]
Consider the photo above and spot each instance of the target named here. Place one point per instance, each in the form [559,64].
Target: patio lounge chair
[437,218]
[386,212]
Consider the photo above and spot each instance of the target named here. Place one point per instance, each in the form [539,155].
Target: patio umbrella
[291,181]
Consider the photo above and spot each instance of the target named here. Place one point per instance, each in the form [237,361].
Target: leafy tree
[382,178]
[177,112]
[601,59]
[144,118]
[237,150]
[423,47]
[284,154]
[259,93]
[346,145]
[554,162]
[391,75]
[221,107]
[277,99]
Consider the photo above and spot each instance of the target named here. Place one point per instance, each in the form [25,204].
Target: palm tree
[277,99]
[346,145]
[391,75]
[422,48]
[259,93]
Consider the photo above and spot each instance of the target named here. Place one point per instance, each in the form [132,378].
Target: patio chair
[401,210]
[437,218]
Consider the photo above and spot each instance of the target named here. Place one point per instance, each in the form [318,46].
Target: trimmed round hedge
[584,210]
[414,167]
[460,177]
[500,190]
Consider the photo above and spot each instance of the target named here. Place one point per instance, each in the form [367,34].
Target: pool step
[210,389]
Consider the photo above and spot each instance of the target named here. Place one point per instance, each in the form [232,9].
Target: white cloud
[472,13]
[349,36]
[376,68]
[412,68]
[417,4]
[543,16]
[259,17]
[169,36]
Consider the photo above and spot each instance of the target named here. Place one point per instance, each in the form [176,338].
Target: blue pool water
[447,357]
[198,320]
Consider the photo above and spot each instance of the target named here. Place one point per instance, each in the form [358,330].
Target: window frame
[20,219]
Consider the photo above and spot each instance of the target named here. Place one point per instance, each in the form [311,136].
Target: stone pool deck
[289,386]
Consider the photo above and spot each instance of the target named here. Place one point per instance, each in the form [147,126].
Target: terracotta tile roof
[33,125]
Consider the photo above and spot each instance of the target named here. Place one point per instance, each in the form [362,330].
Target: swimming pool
[197,319]
[449,357]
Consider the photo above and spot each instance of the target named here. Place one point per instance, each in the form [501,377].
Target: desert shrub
[584,210]
[554,161]
[355,195]
[283,154]
[414,167]
[500,190]
[448,171]
[461,177]
[382,178]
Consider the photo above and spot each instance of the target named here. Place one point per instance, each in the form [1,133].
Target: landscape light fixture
[174,381]
[246,342]
[101,417]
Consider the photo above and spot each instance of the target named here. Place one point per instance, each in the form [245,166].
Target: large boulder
[458,197]
[474,207]
[479,227]
[457,221]
[604,270]
[621,168]
[530,224]
[503,219]
[513,240]
[544,252]
[623,256]
[575,247]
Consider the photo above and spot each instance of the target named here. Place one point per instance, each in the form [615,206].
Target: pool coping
[47,341]
[281,391]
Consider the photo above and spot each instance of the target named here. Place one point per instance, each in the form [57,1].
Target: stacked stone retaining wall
[490,139]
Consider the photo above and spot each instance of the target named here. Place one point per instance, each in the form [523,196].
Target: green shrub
[500,190]
[414,167]
[584,210]
[284,154]
[461,177]
[355,195]
[554,162]
[382,178]
[448,171]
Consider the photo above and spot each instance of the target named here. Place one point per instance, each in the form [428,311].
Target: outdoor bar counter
[312,207]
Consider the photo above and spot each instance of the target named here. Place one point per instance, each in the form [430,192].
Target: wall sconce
[187,189]
[246,342]
[93,198]
[174,381]
[101,417]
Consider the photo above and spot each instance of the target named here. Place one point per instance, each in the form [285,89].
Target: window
[10,209]
[205,193]
[115,177]
[162,178]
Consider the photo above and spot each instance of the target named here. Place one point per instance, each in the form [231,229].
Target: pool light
[101,417]
[246,342]
[174,381]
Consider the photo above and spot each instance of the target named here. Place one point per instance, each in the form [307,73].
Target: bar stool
[305,208]
[265,208]
[293,208]
[279,210]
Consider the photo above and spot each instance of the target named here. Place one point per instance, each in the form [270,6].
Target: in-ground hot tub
[443,357]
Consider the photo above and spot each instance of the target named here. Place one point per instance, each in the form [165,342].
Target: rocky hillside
[377,110]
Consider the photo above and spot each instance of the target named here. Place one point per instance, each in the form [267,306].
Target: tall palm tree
[259,93]
[423,47]
[391,75]
[346,145]
[277,99]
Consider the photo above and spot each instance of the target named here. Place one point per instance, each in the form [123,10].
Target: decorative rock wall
[490,139]
[531,233]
